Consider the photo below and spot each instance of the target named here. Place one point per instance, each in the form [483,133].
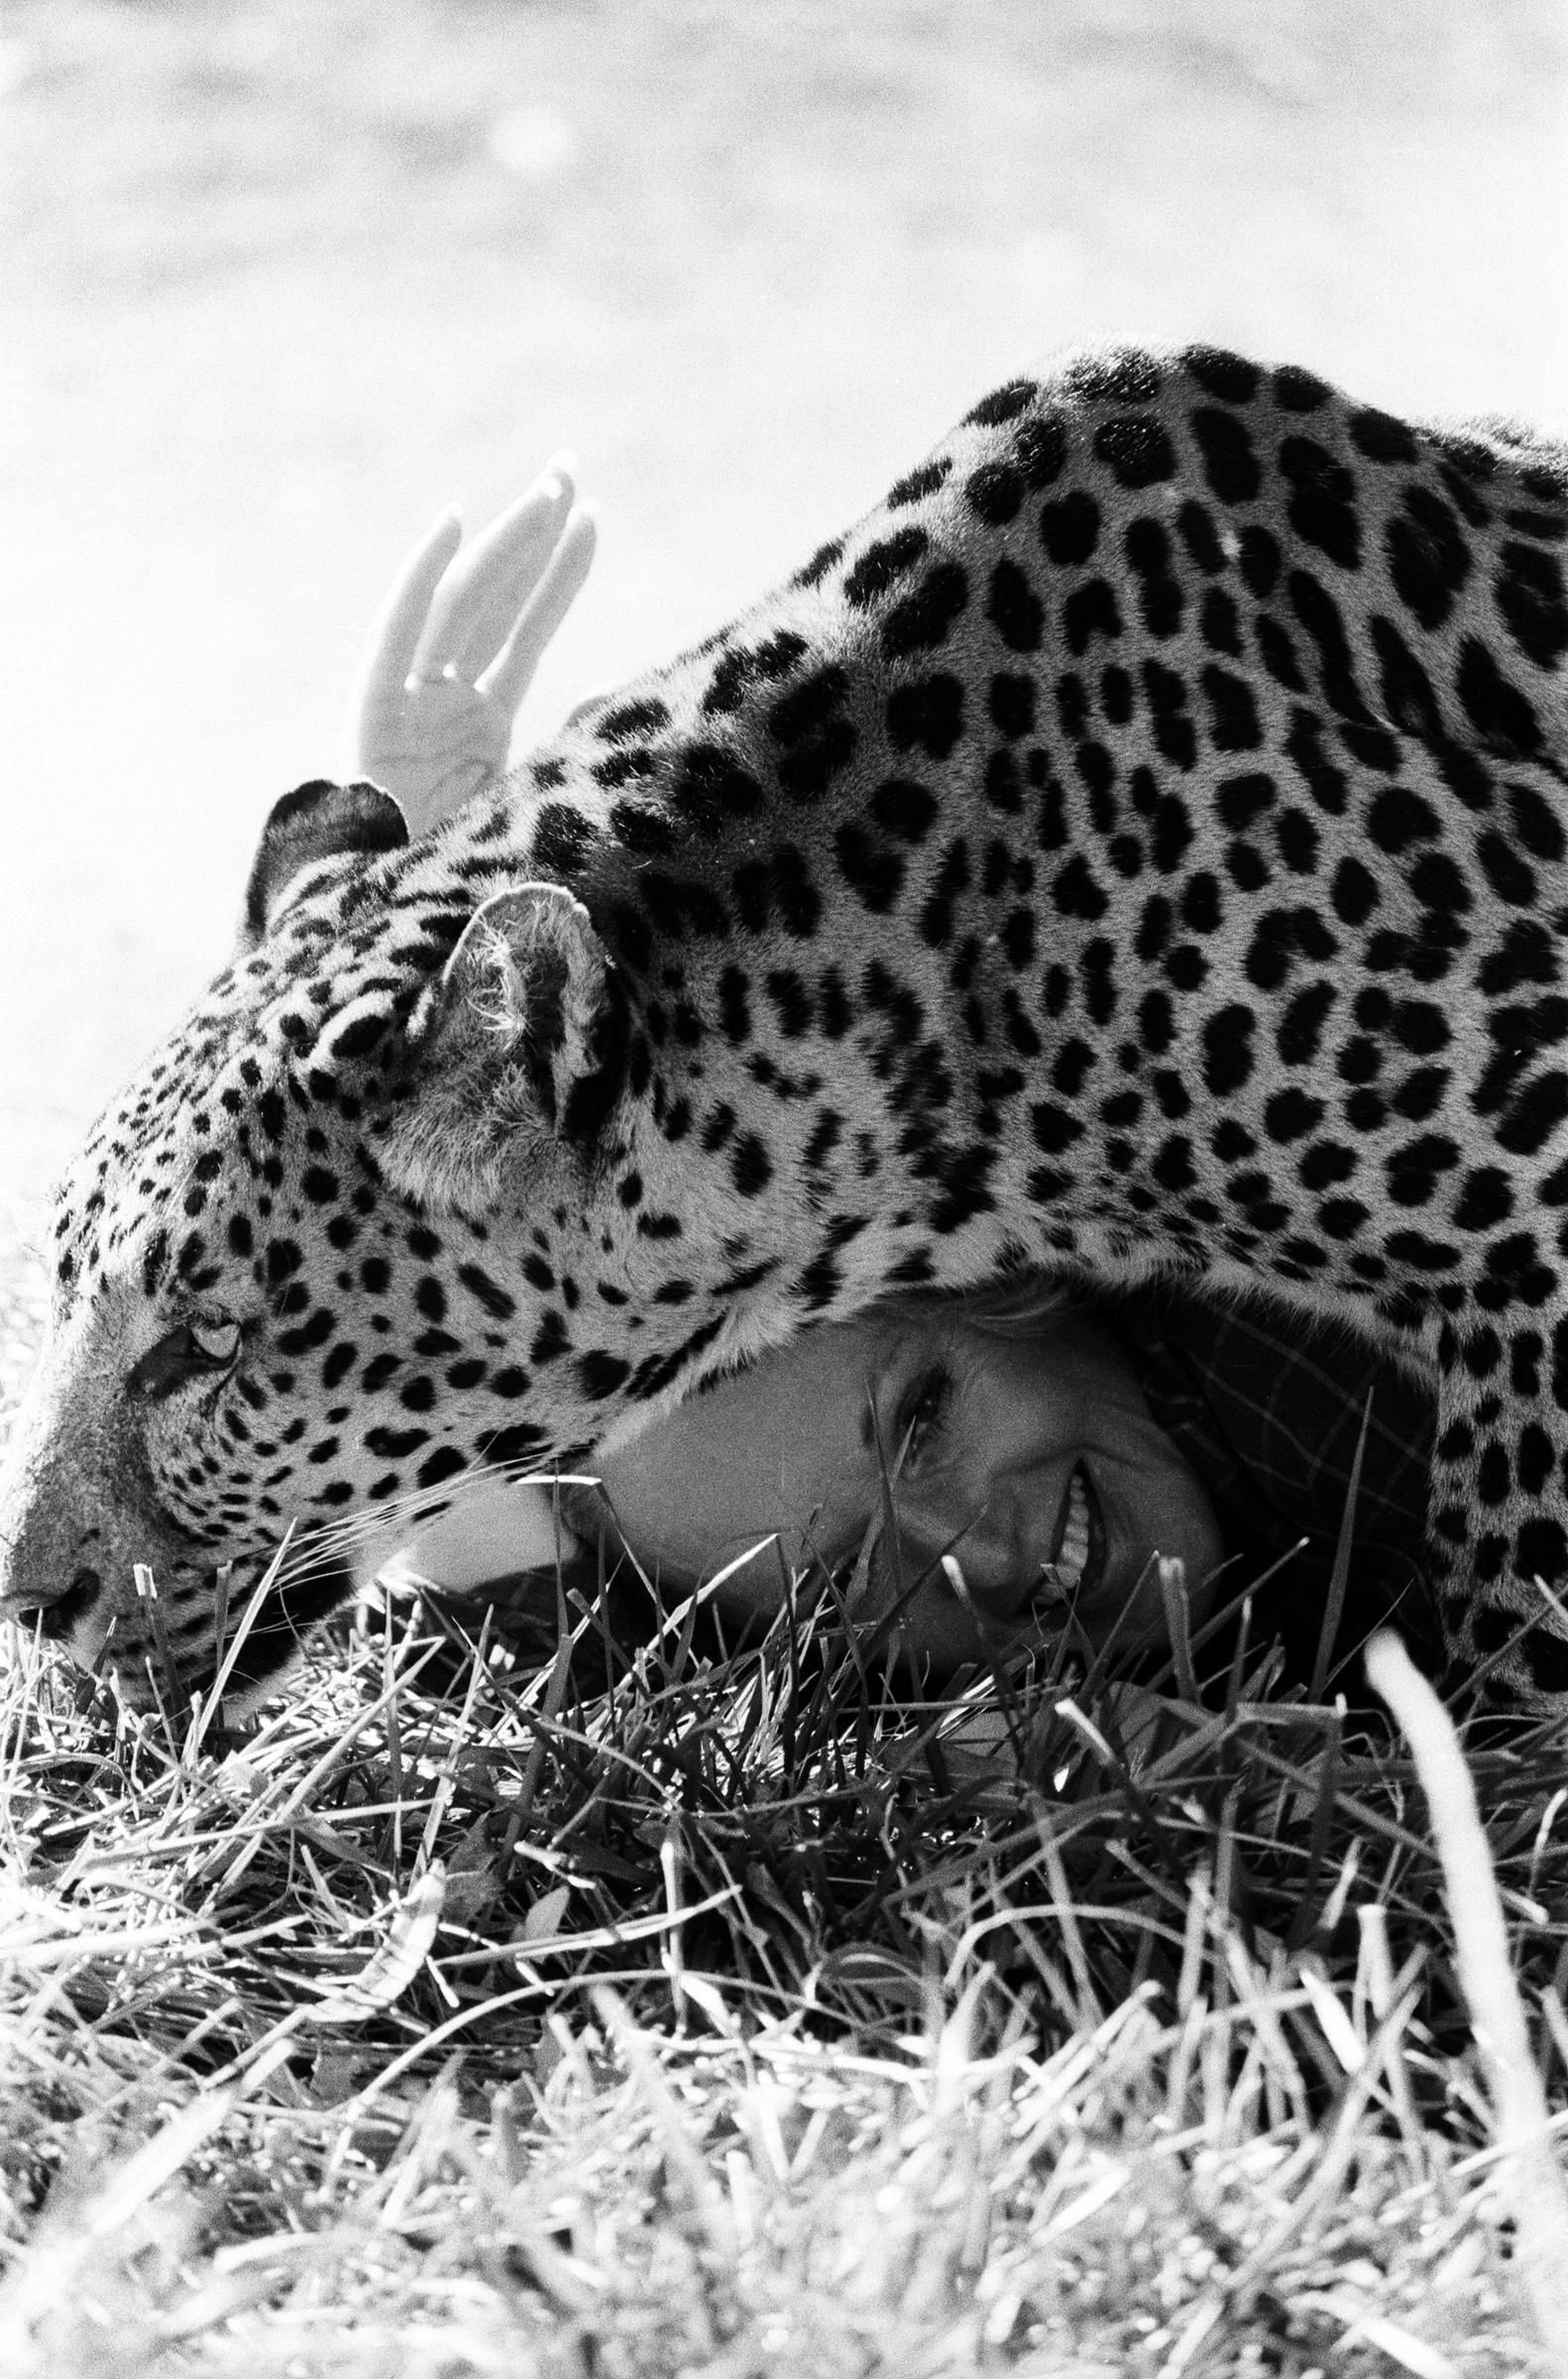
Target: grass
[669,2007]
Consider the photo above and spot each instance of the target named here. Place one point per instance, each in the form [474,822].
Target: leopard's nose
[59,1608]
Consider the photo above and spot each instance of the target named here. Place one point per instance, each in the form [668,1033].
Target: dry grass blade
[1339,1577]
[387,1974]
[1534,2180]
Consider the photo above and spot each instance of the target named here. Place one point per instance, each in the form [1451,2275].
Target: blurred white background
[282,276]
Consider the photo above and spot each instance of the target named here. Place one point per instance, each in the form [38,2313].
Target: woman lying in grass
[970,1469]
[989,1463]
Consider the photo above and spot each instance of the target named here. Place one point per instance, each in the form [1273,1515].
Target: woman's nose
[989,1536]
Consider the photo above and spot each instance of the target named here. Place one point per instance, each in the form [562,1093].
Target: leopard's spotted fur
[1139,844]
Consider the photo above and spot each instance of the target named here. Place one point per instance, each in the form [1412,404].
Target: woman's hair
[1019,1307]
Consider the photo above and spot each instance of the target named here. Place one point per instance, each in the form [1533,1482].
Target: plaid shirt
[1266,1409]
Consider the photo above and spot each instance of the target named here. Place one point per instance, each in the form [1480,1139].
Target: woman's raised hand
[455,646]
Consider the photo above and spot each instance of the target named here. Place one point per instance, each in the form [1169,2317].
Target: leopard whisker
[327,1543]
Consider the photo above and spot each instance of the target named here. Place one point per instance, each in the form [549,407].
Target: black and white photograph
[784,1189]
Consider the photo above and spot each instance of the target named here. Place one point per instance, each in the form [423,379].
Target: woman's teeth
[1073,1552]
[1079,1557]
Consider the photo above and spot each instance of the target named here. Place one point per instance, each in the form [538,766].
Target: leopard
[1134,850]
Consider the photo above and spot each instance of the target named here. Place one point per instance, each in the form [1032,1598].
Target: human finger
[510,674]
[386,661]
[491,579]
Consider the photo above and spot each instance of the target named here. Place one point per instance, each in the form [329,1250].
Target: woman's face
[1032,1461]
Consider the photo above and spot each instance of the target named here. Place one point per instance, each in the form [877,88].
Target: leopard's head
[370,1220]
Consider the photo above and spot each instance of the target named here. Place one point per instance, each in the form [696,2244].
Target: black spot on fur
[1055,1128]
[643,828]
[1485,1198]
[1137,449]
[873,872]
[487,1293]
[1500,714]
[1075,892]
[1299,1035]
[1233,715]
[1228,1049]
[806,708]
[628,720]
[1090,610]
[928,712]
[883,564]
[1322,505]
[915,486]
[1070,529]
[712,789]
[1535,822]
[1012,704]
[1407,696]
[821,561]
[1537,1111]
[1175,735]
[1528,591]
[1298,391]
[1014,609]
[1221,624]
[601,1374]
[1119,376]
[920,622]
[1259,560]
[817,741]
[1319,615]
[1200,538]
[1399,816]
[392,1444]
[1382,438]
[1160,597]
[1429,557]
[994,492]
[905,808]
[1242,799]
[561,840]
[1003,404]
[1040,450]
[750,1166]
[1229,377]
[792,1001]
[523,1442]
[1230,463]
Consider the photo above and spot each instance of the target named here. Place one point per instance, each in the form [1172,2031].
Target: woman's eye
[218,1342]
[922,1410]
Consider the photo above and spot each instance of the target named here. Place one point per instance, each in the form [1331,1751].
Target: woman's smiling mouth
[1033,1461]
[1077,1560]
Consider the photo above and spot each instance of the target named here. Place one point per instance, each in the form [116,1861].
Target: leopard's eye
[218,1342]
[195,1350]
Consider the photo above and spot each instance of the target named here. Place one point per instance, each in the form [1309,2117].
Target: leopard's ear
[316,824]
[511,1059]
